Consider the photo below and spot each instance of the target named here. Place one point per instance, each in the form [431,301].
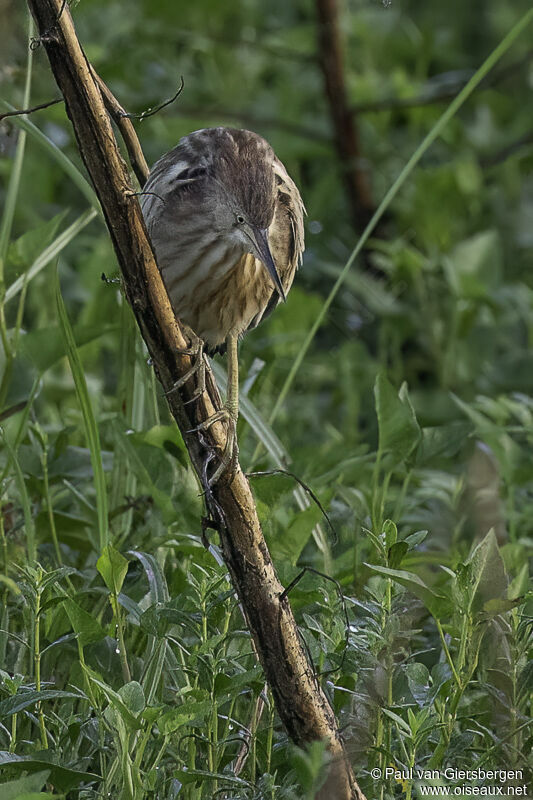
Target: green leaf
[29,522]
[63,778]
[133,696]
[418,679]
[136,464]
[396,554]
[35,796]
[402,724]
[499,605]
[50,253]
[525,681]
[506,450]
[187,776]
[12,189]
[28,785]
[270,489]
[157,619]
[113,567]
[45,346]
[488,579]
[152,713]
[24,699]
[391,533]
[411,581]
[298,533]
[399,432]
[54,576]
[416,538]
[10,583]
[84,624]
[24,250]
[166,437]
[474,266]
[156,580]
[187,714]
[114,699]
[444,441]
[518,586]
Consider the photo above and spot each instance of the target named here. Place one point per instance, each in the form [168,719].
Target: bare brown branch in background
[344,120]
[300,701]
[20,112]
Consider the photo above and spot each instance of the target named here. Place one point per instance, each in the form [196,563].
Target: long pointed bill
[261,241]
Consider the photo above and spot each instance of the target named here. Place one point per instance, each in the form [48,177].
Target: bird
[226,223]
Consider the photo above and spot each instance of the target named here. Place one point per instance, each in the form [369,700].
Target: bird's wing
[178,168]
[286,236]
[289,199]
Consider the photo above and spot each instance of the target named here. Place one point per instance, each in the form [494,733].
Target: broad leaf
[62,777]
[22,700]
[113,567]
[84,624]
[399,432]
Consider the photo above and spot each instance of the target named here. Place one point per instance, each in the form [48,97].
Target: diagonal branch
[300,701]
[127,131]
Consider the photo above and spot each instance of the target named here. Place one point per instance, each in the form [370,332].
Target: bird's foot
[230,455]
[197,368]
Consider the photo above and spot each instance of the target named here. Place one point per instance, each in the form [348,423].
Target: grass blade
[6,224]
[14,179]
[156,580]
[91,428]
[50,252]
[29,523]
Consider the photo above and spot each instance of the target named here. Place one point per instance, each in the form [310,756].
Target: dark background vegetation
[425,654]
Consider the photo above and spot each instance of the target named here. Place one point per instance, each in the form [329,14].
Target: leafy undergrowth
[126,670]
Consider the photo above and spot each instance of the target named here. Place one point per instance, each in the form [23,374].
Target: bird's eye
[240,219]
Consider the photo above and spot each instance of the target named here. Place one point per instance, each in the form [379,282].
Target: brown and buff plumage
[226,223]
[212,266]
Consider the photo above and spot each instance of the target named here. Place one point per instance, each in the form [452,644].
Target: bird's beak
[261,242]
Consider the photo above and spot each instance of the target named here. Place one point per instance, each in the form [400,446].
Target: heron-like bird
[226,224]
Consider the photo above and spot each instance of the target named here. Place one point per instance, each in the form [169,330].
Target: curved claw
[229,457]
[231,450]
[198,367]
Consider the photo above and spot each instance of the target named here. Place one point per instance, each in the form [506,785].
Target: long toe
[197,368]
[230,457]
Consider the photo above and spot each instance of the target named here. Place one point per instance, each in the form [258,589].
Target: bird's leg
[229,412]
[198,368]
[232,389]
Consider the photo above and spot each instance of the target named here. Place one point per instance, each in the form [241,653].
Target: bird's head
[243,196]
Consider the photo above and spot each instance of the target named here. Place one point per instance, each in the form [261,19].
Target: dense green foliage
[125,667]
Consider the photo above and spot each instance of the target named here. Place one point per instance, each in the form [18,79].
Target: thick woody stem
[302,705]
[343,117]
